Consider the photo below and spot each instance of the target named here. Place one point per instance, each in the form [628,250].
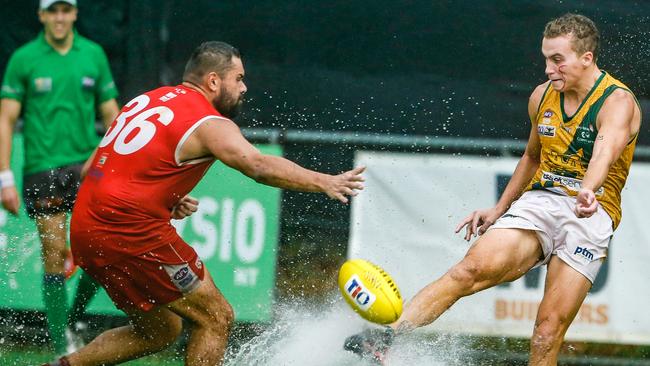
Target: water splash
[308,334]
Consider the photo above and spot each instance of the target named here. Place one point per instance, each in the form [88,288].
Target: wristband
[7,179]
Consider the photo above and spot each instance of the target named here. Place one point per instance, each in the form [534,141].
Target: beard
[229,105]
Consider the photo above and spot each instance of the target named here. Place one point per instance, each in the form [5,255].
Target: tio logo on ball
[363,297]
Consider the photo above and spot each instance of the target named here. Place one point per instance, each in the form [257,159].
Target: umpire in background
[57,81]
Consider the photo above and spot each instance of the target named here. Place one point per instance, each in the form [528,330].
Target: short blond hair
[586,37]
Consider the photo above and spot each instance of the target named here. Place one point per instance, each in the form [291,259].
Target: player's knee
[549,331]
[465,274]
[226,316]
[220,318]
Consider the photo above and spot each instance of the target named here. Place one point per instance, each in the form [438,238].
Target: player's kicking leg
[500,255]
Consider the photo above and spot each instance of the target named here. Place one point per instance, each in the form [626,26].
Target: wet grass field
[23,355]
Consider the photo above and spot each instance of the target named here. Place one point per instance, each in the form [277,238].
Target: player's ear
[41,16]
[75,13]
[587,58]
[214,82]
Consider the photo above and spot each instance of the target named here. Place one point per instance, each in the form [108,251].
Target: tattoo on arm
[600,137]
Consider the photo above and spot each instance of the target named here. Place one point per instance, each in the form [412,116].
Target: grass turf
[34,355]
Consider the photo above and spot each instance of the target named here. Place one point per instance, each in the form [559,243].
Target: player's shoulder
[184,100]
[622,94]
[620,99]
[27,50]
[161,90]
[535,99]
[540,90]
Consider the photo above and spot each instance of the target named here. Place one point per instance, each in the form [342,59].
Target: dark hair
[210,56]
[582,29]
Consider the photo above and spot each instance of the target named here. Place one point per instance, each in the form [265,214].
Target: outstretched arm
[223,139]
[618,122]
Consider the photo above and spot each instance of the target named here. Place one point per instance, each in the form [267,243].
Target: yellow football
[370,291]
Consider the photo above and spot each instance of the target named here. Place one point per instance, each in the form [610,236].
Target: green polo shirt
[59,95]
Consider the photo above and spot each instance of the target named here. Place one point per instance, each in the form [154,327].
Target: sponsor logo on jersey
[10,89]
[547,116]
[181,273]
[102,160]
[572,184]
[43,85]
[182,276]
[586,134]
[548,131]
[167,97]
[108,86]
[362,296]
[87,82]
[584,252]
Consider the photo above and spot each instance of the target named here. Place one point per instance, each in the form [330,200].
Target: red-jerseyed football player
[152,156]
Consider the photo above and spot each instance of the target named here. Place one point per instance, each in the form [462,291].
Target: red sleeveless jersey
[124,203]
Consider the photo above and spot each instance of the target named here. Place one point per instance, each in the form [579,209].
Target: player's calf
[159,331]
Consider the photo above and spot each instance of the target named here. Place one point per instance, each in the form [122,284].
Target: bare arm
[223,139]
[87,163]
[480,220]
[618,121]
[109,110]
[9,112]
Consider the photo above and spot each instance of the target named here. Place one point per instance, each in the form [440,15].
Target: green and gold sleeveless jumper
[567,146]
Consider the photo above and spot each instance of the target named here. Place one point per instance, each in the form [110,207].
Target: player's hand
[586,203]
[478,222]
[345,184]
[185,207]
[10,199]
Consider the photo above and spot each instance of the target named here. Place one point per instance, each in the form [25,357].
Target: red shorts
[154,278]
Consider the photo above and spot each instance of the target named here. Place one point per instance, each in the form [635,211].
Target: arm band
[7,179]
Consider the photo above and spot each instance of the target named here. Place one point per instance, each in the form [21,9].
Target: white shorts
[580,242]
